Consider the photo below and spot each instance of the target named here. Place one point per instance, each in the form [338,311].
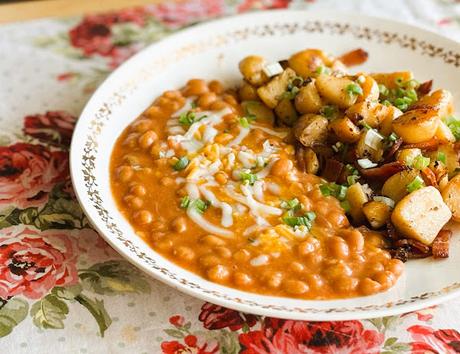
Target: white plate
[212,50]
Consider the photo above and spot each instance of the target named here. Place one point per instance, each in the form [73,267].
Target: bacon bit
[428,145]
[392,151]
[429,177]
[354,57]
[457,146]
[391,231]
[400,253]
[422,248]
[382,172]
[333,170]
[425,88]
[440,246]
[284,63]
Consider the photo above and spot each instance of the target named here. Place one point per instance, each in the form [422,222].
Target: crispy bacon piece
[392,234]
[354,57]
[392,151]
[382,172]
[440,246]
[332,170]
[413,244]
[429,145]
[429,177]
[400,253]
[425,88]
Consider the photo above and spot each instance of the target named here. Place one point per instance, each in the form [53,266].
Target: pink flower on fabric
[218,317]
[54,127]
[32,263]
[177,320]
[191,345]
[28,173]
[429,340]
[262,5]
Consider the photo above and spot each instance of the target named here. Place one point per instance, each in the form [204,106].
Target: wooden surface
[26,10]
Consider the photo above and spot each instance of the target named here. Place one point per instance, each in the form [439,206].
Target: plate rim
[346,313]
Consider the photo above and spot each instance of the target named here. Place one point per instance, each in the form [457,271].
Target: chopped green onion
[292,204]
[185,202]
[245,121]
[454,126]
[399,81]
[189,118]
[290,93]
[345,204]
[417,183]
[412,84]
[354,89]
[393,137]
[386,103]
[323,70]
[199,205]
[193,105]
[181,163]
[304,220]
[383,90]
[248,177]
[352,179]
[329,111]
[420,162]
[335,190]
[442,157]
[365,125]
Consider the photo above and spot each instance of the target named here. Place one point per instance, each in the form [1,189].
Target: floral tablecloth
[62,287]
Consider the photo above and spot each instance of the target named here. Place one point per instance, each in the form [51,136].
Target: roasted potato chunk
[286,112]
[375,115]
[345,130]
[308,99]
[311,129]
[247,92]
[357,198]
[271,93]
[251,68]
[389,79]
[259,110]
[452,157]
[416,126]
[451,196]
[444,134]
[306,62]
[364,151]
[395,187]
[307,160]
[334,90]
[370,89]
[439,100]
[406,156]
[377,213]
[421,215]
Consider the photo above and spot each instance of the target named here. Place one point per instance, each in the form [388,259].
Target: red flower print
[191,345]
[178,14]
[424,315]
[218,317]
[177,320]
[55,127]
[428,340]
[262,5]
[312,337]
[32,263]
[28,172]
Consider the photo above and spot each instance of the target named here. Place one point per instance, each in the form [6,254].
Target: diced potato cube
[306,62]
[421,215]
[416,126]
[395,187]
[345,130]
[377,213]
[286,112]
[311,129]
[451,196]
[357,198]
[389,79]
[271,92]
[334,90]
[308,99]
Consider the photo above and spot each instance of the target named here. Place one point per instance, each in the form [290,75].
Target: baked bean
[224,252]
[306,203]
[218,273]
[223,138]
[395,266]
[315,281]
[308,246]
[209,260]
[338,270]
[195,87]
[184,253]
[143,217]
[172,94]
[131,160]
[296,267]
[242,279]
[385,278]
[230,99]
[131,140]
[179,224]
[164,245]
[313,260]
[338,248]
[248,92]
[155,113]
[212,240]
[134,202]
[338,219]
[345,285]
[147,139]
[167,181]
[159,225]
[354,239]
[282,167]
[368,286]
[375,267]
[206,100]
[219,105]
[142,125]
[221,177]
[295,287]
[216,87]
[273,280]
[125,173]
[251,68]
[138,189]
[242,256]
[231,118]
